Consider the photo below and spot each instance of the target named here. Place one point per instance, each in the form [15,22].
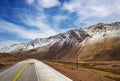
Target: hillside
[98,42]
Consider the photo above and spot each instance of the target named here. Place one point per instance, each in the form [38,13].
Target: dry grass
[104,73]
[108,69]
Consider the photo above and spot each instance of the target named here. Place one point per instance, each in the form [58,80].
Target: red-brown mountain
[97,42]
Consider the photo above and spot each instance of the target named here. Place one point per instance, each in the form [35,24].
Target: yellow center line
[19,73]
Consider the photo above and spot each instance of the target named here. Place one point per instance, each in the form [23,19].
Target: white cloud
[100,11]
[48,3]
[58,19]
[72,6]
[87,9]
[39,22]
[91,8]
[4,43]
[45,30]
[44,3]
[30,1]
[25,33]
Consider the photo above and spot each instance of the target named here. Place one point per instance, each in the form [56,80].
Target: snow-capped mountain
[38,42]
[13,47]
[89,41]
[99,31]
[70,37]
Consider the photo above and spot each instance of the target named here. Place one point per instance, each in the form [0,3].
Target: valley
[85,54]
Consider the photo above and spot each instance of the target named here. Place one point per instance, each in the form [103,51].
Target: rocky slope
[104,43]
[69,38]
[97,42]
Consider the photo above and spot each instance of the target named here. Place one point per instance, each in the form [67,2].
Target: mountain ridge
[67,45]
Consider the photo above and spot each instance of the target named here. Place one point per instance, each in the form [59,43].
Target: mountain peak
[116,24]
[70,37]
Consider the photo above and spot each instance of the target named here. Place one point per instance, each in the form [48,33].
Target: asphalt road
[8,74]
[29,73]
[32,70]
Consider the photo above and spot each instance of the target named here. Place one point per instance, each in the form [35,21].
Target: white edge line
[36,72]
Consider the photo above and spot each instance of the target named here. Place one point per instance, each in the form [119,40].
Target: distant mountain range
[97,42]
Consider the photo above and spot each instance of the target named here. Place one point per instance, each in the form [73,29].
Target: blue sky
[25,20]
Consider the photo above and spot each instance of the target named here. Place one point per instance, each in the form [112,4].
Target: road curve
[34,71]
[46,73]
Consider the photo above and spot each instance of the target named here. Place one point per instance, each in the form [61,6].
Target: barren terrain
[89,71]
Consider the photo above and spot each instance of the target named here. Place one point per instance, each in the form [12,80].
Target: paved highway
[32,70]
